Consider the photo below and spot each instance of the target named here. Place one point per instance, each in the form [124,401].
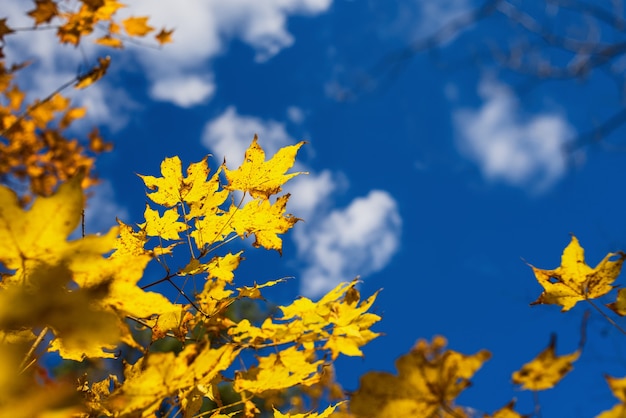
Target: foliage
[142,354]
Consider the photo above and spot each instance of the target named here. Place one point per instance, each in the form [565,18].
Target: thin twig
[33,347]
[608,318]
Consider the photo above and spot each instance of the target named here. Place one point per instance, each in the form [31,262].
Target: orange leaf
[137,26]
[109,41]
[164,36]
[44,11]
[4,29]
[95,74]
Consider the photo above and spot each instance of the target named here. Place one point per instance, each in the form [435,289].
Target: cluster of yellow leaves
[34,148]
[81,295]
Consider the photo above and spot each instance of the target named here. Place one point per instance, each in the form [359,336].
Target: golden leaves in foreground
[546,370]
[428,381]
[574,280]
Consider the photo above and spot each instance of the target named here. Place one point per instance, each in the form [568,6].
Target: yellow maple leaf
[265,221]
[166,227]
[428,381]
[574,280]
[618,387]
[619,306]
[545,370]
[287,368]
[44,11]
[137,26]
[39,235]
[201,195]
[263,178]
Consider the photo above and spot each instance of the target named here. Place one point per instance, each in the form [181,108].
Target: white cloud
[509,146]
[101,209]
[311,192]
[230,134]
[295,114]
[183,92]
[355,241]
[203,30]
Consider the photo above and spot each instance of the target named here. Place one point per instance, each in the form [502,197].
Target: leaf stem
[608,318]
[40,337]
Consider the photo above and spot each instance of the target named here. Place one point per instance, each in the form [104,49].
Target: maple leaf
[171,189]
[39,235]
[164,36]
[166,227]
[265,221]
[574,280]
[4,29]
[287,368]
[104,11]
[546,370]
[618,387]
[263,178]
[95,74]
[137,26]
[44,11]
[428,381]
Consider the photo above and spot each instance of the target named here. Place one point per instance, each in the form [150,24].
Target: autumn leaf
[108,40]
[137,26]
[44,11]
[546,370]
[95,74]
[161,375]
[618,387]
[428,381]
[574,280]
[262,178]
[287,368]
[4,29]
[15,96]
[166,226]
[265,221]
[164,36]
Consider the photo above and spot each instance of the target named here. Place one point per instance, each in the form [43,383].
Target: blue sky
[433,185]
